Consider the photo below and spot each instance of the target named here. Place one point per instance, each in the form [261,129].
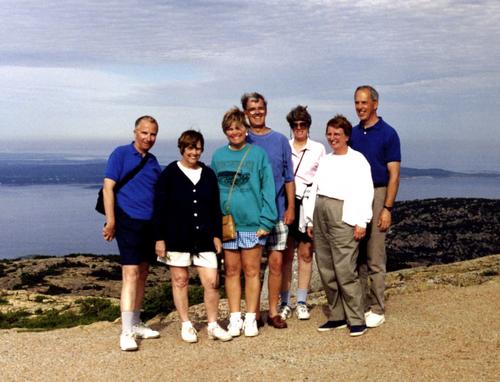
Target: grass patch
[489,273]
[30,279]
[39,298]
[3,301]
[159,300]
[91,310]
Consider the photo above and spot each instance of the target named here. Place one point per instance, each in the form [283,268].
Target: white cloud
[82,62]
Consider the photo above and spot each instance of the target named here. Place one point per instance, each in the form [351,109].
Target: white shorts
[185,259]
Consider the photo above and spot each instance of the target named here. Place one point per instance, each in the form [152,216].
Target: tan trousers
[372,259]
[336,255]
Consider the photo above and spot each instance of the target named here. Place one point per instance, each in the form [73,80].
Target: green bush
[91,310]
[31,279]
[39,298]
[8,320]
[159,300]
[98,309]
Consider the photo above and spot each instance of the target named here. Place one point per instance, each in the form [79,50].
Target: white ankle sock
[212,325]
[250,317]
[235,316]
[186,324]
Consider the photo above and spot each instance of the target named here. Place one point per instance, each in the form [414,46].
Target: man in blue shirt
[280,156]
[379,143]
[129,218]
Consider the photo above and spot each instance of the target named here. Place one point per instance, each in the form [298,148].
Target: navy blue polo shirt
[136,198]
[380,145]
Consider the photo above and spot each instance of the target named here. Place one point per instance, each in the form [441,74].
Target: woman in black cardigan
[188,228]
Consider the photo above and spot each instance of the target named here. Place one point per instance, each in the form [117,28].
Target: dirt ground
[445,334]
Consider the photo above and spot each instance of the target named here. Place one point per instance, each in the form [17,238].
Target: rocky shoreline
[425,232]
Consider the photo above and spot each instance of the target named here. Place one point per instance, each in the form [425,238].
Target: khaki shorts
[185,259]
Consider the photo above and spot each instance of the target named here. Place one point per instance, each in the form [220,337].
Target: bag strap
[122,182]
[300,161]
[234,178]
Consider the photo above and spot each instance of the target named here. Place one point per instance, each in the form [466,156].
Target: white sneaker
[234,328]
[189,334]
[142,331]
[285,312]
[368,313]
[217,333]
[374,320]
[250,328]
[302,312]
[127,342]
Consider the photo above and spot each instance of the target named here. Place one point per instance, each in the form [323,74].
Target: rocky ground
[442,231]
[441,326]
[442,320]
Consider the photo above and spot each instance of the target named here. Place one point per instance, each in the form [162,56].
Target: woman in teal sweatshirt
[246,170]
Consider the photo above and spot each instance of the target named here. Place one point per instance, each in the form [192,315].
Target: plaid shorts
[276,241]
[245,240]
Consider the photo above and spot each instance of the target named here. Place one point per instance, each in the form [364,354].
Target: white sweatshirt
[345,177]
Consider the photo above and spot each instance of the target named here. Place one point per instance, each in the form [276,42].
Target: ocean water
[50,220]
[60,219]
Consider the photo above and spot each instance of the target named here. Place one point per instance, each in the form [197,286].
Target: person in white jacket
[337,212]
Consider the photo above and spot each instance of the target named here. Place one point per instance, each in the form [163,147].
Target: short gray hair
[371,89]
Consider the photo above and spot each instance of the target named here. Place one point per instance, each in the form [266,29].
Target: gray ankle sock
[136,317]
[302,295]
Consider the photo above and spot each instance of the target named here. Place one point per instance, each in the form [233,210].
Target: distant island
[44,170]
[409,172]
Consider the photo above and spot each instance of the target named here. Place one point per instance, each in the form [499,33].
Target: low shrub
[159,300]
[39,298]
[91,310]
[115,273]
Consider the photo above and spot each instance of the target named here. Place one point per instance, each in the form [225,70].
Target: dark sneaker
[276,322]
[358,330]
[260,322]
[331,325]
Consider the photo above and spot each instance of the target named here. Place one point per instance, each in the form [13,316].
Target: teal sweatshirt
[252,203]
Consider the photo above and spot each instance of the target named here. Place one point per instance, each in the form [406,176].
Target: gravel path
[448,334]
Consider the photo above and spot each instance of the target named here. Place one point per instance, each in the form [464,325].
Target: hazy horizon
[415,155]
[85,70]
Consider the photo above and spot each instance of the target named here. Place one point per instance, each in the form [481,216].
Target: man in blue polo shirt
[128,218]
[380,144]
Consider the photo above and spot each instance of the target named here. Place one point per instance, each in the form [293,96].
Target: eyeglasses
[300,125]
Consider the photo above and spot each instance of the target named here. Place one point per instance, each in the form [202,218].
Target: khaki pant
[336,255]
[372,259]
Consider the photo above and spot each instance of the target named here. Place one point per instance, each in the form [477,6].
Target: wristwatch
[388,208]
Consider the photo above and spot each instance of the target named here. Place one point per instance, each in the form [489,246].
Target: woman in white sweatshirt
[337,211]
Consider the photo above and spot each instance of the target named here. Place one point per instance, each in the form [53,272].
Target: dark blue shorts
[293,229]
[135,239]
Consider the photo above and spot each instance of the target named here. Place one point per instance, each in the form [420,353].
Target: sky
[74,75]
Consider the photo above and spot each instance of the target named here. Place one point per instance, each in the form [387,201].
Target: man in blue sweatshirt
[280,155]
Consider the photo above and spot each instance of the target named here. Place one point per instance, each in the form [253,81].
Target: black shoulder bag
[99,207]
